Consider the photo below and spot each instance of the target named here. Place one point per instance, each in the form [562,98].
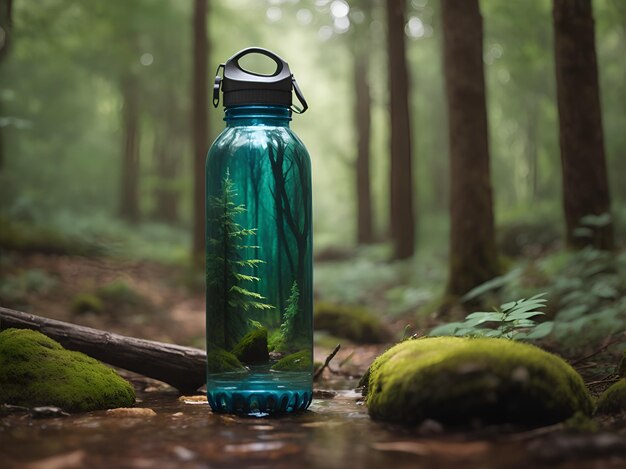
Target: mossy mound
[350,322]
[252,348]
[299,361]
[221,361]
[87,303]
[120,294]
[613,400]
[36,371]
[460,380]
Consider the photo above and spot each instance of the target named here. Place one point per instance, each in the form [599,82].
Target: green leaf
[517,315]
[542,330]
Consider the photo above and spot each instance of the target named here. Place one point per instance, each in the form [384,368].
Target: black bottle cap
[241,87]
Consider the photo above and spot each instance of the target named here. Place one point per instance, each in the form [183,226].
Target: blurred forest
[437,149]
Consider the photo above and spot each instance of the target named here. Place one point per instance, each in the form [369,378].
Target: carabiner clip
[216,86]
[300,97]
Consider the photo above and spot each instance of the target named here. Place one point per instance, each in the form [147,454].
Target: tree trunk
[200,124]
[129,203]
[363,124]
[401,172]
[473,257]
[6,25]
[182,367]
[585,185]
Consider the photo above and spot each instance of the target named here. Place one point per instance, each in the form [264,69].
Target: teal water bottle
[259,289]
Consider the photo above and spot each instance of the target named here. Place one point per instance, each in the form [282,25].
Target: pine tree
[287,328]
[227,297]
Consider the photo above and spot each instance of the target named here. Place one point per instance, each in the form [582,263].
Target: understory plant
[586,291]
[512,320]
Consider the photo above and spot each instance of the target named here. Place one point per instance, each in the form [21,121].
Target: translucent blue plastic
[259,271]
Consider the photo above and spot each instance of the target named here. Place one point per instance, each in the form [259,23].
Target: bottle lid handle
[233,66]
[300,96]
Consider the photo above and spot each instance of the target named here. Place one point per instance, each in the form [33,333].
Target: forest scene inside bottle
[259,274]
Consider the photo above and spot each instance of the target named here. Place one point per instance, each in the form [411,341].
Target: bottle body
[258,265]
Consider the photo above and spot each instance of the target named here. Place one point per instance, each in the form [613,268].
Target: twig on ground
[346,360]
[318,373]
[612,378]
[607,343]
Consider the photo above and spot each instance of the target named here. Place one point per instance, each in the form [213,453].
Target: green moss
[221,361]
[299,361]
[87,303]
[119,293]
[613,400]
[276,342]
[350,322]
[460,380]
[252,348]
[35,370]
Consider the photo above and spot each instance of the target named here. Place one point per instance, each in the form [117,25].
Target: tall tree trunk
[200,124]
[363,120]
[585,185]
[6,26]
[401,171]
[129,203]
[473,256]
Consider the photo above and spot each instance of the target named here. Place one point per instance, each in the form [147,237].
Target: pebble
[131,412]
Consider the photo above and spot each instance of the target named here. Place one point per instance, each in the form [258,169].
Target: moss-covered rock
[221,361]
[613,400]
[299,361]
[350,322]
[252,348]
[86,303]
[460,380]
[35,371]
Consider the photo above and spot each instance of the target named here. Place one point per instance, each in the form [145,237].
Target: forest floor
[155,301]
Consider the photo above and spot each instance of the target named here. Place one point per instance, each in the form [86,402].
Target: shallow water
[334,433]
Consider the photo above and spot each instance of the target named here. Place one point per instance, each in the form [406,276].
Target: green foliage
[299,361]
[587,291]
[613,400]
[461,380]
[252,348]
[15,289]
[37,371]
[221,361]
[350,322]
[120,294]
[226,267]
[86,303]
[287,328]
[514,320]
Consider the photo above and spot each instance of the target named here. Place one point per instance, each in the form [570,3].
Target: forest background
[97,123]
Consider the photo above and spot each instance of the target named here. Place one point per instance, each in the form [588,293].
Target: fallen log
[182,367]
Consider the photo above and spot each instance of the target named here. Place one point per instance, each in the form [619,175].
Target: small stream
[336,432]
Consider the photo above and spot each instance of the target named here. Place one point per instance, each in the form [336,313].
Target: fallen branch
[318,373]
[182,367]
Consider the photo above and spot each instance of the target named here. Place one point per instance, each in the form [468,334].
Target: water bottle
[259,298]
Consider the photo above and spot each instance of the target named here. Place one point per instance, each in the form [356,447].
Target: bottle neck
[257,114]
